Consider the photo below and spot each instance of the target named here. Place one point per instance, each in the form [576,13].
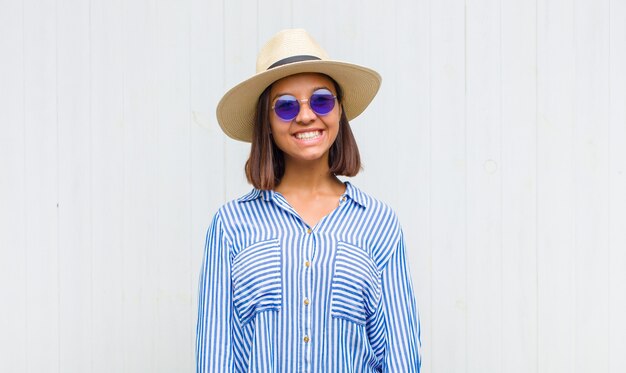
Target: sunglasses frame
[304,100]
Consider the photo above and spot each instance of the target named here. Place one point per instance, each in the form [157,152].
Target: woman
[305,273]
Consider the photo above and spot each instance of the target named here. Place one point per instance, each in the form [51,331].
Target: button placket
[309,243]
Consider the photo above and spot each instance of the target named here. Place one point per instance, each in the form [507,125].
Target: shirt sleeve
[214,326]
[402,325]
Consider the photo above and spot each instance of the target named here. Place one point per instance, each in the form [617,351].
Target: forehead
[302,83]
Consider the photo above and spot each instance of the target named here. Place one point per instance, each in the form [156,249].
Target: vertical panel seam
[501,161]
[24,180]
[430,165]
[465,162]
[224,150]
[465,194]
[574,215]
[58,254]
[608,193]
[190,180]
[156,65]
[124,196]
[537,298]
[91,239]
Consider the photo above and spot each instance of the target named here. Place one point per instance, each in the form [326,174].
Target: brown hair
[265,166]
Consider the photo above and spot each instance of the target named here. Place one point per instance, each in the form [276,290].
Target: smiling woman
[308,131]
[305,273]
[297,118]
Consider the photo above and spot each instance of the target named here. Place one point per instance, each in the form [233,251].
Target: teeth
[308,135]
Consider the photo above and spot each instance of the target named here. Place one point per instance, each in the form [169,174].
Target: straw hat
[291,52]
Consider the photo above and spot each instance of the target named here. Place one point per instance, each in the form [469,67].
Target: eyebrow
[286,93]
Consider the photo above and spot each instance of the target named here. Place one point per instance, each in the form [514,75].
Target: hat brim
[235,111]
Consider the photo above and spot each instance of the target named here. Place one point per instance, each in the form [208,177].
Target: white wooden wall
[499,136]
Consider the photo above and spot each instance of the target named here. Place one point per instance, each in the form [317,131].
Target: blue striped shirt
[276,295]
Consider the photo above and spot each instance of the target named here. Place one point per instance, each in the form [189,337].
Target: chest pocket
[356,285]
[256,279]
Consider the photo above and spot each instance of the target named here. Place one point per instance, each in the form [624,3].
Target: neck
[307,177]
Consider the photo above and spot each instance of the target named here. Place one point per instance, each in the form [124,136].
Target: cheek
[277,133]
[274,127]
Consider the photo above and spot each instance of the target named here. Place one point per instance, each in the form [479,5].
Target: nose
[305,115]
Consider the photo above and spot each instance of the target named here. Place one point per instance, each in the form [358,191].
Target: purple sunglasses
[287,107]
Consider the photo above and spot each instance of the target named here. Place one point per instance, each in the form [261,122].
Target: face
[308,136]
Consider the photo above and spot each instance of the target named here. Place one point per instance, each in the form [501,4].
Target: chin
[308,157]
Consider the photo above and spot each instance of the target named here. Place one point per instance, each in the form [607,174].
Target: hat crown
[286,44]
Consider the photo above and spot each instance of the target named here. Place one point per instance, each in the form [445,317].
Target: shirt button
[343,199]
[306,339]
[309,231]
[306,301]
[307,264]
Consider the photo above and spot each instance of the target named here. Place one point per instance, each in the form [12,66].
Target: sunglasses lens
[322,101]
[286,107]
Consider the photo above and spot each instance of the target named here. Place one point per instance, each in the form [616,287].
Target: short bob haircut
[265,166]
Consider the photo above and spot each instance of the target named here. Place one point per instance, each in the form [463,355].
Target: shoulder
[247,207]
[383,233]
[375,208]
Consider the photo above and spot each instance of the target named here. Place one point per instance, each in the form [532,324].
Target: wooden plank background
[499,137]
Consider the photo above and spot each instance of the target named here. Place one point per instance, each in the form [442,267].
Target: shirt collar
[352,192]
[355,194]
[251,196]
[267,195]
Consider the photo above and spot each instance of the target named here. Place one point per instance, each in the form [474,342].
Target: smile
[308,135]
